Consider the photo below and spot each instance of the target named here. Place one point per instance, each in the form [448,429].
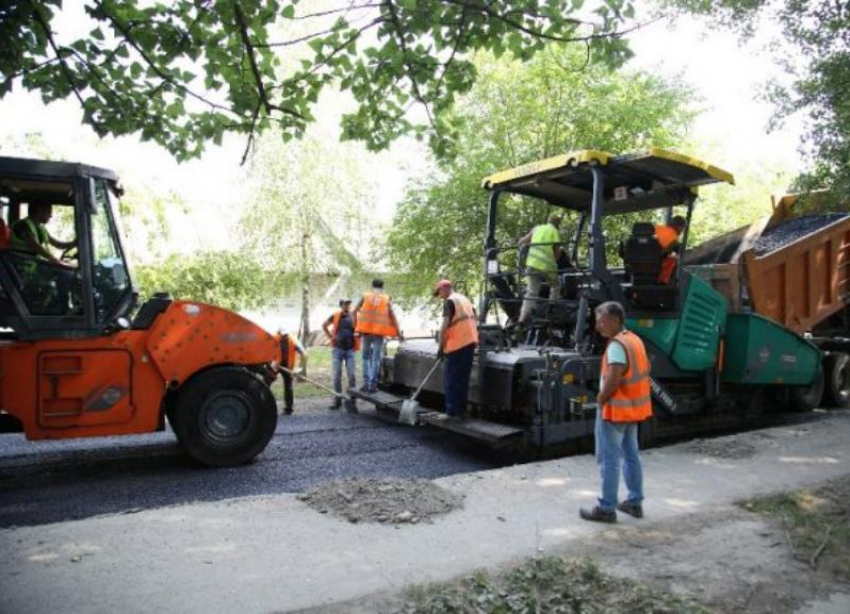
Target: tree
[513,115]
[307,213]
[185,72]
[815,51]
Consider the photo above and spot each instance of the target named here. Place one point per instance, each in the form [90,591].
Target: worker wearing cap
[375,321]
[458,338]
[544,253]
[667,236]
[339,328]
[290,347]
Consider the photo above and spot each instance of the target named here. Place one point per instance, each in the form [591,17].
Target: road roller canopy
[630,182]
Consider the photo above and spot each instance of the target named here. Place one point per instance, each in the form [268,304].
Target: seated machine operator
[667,236]
[31,235]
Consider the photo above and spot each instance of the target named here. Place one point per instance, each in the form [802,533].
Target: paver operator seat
[642,256]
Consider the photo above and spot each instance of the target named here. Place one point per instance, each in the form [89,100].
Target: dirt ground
[749,557]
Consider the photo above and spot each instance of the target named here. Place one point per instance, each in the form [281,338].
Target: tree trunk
[304,328]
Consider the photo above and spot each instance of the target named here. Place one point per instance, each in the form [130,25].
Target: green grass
[547,584]
[816,523]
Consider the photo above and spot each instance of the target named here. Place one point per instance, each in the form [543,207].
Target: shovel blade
[409,412]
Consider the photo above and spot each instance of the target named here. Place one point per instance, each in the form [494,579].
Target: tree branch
[65,69]
[415,86]
[252,60]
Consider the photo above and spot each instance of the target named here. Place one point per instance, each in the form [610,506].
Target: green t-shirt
[542,257]
[615,354]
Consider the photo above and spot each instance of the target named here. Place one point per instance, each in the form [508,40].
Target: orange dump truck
[794,269]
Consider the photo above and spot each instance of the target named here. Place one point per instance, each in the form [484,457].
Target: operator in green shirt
[541,264]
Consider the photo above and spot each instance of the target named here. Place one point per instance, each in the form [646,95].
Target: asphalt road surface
[55,481]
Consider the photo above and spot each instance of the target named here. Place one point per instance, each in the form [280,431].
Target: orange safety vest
[337,316]
[632,401]
[373,318]
[287,354]
[666,236]
[462,330]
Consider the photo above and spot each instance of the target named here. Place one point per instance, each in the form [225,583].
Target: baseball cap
[440,285]
[343,301]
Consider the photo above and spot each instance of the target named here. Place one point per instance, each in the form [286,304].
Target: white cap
[281,330]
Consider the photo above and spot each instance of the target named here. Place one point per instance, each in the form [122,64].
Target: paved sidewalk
[274,554]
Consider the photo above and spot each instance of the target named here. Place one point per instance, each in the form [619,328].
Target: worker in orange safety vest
[375,322]
[458,339]
[667,236]
[623,402]
[290,348]
[339,328]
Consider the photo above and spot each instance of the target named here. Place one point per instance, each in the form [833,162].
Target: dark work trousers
[456,374]
[287,391]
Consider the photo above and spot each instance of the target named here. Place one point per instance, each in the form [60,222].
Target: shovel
[349,402]
[410,408]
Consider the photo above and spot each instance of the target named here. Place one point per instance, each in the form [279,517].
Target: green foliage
[183,73]
[225,279]
[518,113]
[815,50]
[547,584]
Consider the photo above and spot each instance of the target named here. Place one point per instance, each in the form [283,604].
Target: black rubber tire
[807,398]
[837,368]
[225,416]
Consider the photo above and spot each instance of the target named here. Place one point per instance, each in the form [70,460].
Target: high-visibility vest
[666,236]
[335,324]
[373,318]
[542,257]
[288,350]
[632,401]
[462,330]
[38,231]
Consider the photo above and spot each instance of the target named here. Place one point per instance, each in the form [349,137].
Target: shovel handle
[314,382]
[427,377]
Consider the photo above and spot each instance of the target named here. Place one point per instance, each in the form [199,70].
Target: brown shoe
[597,514]
[631,508]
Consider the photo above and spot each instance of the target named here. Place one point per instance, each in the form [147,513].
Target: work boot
[288,411]
[597,514]
[631,508]
[335,405]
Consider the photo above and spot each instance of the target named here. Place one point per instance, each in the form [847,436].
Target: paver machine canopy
[78,360]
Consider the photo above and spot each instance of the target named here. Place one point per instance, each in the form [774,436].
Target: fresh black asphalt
[57,481]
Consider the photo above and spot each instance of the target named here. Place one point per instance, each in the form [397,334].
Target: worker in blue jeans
[623,402]
[458,339]
[339,328]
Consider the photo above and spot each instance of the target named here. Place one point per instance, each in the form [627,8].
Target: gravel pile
[793,229]
[382,500]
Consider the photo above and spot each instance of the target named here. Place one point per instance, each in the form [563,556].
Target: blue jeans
[616,443]
[456,374]
[339,357]
[373,352]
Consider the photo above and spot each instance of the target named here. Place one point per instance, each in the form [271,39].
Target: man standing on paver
[624,400]
[458,338]
[376,322]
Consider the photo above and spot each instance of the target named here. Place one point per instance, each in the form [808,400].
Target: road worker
[375,321]
[544,253]
[290,347]
[458,338]
[30,234]
[623,402]
[667,236]
[339,328]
